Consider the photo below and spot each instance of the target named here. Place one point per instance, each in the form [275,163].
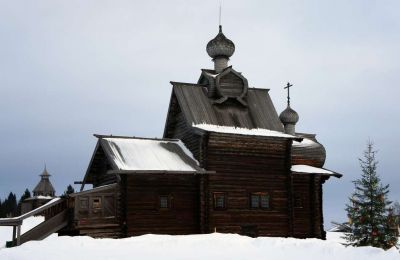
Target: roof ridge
[186,83]
[135,137]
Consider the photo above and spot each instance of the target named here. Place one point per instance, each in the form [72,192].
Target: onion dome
[289,116]
[308,152]
[220,46]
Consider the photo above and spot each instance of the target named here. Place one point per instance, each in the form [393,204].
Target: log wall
[246,164]
[143,213]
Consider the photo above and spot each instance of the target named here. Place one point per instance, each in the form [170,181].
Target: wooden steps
[46,228]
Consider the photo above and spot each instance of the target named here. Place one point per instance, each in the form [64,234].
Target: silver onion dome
[289,116]
[220,46]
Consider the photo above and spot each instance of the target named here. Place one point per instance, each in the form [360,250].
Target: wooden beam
[18,235]
[14,242]
[290,204]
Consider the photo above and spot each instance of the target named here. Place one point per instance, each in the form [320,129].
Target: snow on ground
[210,246]
[335,237]
[27,224]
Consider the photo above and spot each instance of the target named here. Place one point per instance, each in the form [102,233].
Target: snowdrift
[210,246]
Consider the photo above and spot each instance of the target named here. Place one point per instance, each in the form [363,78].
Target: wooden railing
[51,209]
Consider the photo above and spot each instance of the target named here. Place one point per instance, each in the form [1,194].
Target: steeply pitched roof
[44,187]
[198,108]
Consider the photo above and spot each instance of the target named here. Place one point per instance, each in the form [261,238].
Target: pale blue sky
[69,69]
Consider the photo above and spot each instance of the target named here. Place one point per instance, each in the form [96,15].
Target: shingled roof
[198,108]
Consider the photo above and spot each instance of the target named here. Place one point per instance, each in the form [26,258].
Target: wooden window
[264,203]
[96,203]
[255,201]
[259,200]
[164,202]
[219,200]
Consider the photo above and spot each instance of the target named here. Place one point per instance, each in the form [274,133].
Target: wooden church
[226,163]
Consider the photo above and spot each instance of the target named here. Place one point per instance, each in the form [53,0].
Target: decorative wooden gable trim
[231,84]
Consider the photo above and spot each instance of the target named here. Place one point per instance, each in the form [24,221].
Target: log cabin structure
[226,163]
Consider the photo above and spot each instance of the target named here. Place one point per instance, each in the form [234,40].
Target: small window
[164,202]
[264,201]
[255,201]
[259,200]
[219,200]
[97,203]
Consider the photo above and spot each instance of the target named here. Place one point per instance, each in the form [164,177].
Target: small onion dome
[289,116]
[220,46]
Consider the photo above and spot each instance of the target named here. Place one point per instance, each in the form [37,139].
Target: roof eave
[157,172]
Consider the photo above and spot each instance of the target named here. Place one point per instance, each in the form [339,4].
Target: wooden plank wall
[100,166]
[143,214]
[186,135]
[177,127]
[103,222]
[246,164]
[231,85]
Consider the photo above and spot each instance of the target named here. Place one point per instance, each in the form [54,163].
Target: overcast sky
[69,69]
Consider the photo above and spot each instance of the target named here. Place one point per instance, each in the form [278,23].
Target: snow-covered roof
[301,168]
[140,154]
[242,131]
[40,197]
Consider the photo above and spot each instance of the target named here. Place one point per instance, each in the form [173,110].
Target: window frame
[168,199]
[259,194]
[215,196]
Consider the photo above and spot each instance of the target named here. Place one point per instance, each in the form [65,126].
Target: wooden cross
[288,86]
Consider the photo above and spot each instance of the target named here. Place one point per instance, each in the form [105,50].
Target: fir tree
[368,208]
[10,205]
[69,190]
[26,195]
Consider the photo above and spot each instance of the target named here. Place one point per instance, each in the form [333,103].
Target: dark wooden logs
[144,213]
